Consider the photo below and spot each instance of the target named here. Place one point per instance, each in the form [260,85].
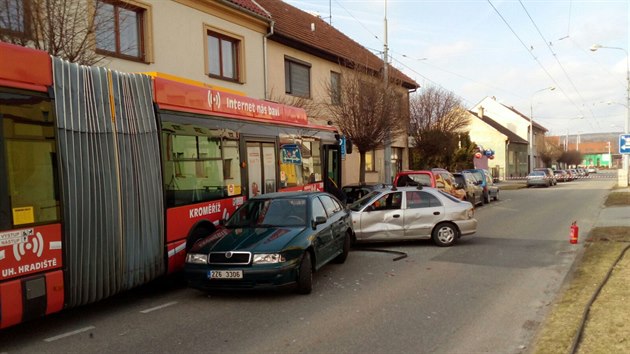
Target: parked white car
[412,213]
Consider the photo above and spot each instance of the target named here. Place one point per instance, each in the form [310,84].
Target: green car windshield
[283,212]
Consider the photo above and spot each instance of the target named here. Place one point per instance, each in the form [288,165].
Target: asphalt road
[488,293]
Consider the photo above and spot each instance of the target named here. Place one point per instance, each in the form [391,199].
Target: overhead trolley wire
[528,50]
[555,56]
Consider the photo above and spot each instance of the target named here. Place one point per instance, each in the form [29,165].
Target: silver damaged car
[405,213]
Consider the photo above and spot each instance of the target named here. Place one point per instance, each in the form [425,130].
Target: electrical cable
[529,50]
[578,337]
[400,254]
[555,56]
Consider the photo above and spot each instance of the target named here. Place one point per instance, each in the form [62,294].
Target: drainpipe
[265,69]
[506,159]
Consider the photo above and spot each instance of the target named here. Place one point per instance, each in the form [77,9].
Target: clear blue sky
[509,49]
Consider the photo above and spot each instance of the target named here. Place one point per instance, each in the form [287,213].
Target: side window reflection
[388,201]
[419,199]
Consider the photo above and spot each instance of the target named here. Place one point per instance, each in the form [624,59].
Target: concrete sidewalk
[618,215]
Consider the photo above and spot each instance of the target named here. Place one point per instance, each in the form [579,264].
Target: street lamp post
[531,127]
[566,139]
[627,124]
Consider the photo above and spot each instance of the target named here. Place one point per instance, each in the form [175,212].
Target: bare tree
[572,157]
[312,107]
[63,28]
[437,119]
[366,110]
[550,152]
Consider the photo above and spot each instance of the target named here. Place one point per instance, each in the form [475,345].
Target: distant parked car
[549,173]
[474,191]
[538,178]
[412,213]
[436,178]
[561,175]
[490,189]
[591,169]
[274,239]
[356,191]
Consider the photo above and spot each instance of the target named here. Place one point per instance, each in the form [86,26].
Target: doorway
[332,164]
[261,168]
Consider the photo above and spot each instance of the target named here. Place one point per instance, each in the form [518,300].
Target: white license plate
[225,274]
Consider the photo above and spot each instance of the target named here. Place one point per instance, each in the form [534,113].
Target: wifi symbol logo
[34,244]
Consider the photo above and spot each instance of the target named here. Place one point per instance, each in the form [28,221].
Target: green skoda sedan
[272,240]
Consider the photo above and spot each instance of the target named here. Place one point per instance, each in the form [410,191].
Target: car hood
[269,239]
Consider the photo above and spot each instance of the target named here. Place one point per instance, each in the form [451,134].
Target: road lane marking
[159,307]
[81,330]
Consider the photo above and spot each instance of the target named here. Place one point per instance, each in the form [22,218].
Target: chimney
[481,111]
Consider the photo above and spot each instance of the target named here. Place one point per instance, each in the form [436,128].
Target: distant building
[515,127]
[510,150]
[598,149]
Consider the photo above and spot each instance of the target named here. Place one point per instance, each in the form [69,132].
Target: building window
[335,88]
[370,161]
[297,78]
[120,30]
[13,18]
[223,56]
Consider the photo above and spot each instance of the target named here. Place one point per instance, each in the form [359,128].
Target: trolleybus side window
[291,165]
[300,160]
[28,166]
[200,164]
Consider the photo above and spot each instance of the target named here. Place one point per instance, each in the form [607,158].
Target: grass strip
[617,199]
[605,330]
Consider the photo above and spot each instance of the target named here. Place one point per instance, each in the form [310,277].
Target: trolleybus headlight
[268,258]
[197,258]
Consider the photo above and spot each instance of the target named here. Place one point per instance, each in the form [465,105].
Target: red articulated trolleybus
[106,177]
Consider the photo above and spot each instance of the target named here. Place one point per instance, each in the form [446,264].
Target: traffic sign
[624,143]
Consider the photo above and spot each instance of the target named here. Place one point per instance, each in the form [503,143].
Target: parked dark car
[472,186]
[356,191]
[272,240]
[490,190]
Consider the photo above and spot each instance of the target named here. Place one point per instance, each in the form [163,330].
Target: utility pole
[387,151]
[609,157]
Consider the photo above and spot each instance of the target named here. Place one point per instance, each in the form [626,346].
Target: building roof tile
[296,28]
[252,6]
